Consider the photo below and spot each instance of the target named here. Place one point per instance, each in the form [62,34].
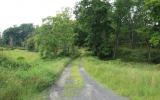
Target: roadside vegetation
[23,75]
[138,81]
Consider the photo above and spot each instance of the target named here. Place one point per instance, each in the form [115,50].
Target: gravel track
[91,90]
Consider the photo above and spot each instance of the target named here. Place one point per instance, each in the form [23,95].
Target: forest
[108,29]
[110,36]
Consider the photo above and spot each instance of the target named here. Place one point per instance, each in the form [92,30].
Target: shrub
[140,55]
[7,63]
[155,56]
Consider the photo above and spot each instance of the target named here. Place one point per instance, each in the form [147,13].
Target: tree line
[110,29]
[107,26]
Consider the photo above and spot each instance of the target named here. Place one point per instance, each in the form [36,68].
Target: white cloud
[29,11]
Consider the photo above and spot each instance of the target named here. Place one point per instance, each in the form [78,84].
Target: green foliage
[81,36]
[155,56]
[154,6]
[56,35]
[94,15]
[139,55]
[15,36]
[155,39]
[30,43]
[47,41]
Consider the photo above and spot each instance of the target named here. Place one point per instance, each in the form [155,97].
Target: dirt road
[91,90]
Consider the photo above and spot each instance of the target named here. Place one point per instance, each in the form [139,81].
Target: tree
[153,7]
[155,40]
[81,35]
[119,13]
[46,41]
[149,30]
[56,34]
[15,36]
[63,26]
[30,43]
[24,31]
[9,36]
[94,15]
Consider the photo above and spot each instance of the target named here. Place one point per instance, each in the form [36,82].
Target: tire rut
[91,90]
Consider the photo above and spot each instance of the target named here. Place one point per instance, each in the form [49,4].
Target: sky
[16,12]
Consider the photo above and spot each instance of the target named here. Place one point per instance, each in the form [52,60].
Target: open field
[29,57]
[138,81]
[24,75]
[30,78]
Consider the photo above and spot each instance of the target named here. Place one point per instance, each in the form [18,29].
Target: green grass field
[138,81]
[15,54]
[22,83]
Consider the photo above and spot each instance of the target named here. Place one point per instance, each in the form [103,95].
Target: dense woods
[110,29]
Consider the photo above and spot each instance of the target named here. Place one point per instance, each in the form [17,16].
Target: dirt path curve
[91,91]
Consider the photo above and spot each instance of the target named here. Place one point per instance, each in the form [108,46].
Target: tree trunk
[116,42]
[131,33]
[73,50]
[10,41]
[132,39]
[65,49]
[149,50]
[68,50]
[55,51]
[149,53]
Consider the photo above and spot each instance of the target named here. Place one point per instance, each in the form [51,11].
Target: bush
[7,63]
[155,56]
[30,43]
[20,58]
[140,55]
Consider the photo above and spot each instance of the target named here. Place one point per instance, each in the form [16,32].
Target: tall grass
[29,57]
[23,82]
[138,81]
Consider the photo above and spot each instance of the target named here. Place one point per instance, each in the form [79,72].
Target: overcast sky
[15,12]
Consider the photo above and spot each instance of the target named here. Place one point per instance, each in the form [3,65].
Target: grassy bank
[32,75]
[138,81]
